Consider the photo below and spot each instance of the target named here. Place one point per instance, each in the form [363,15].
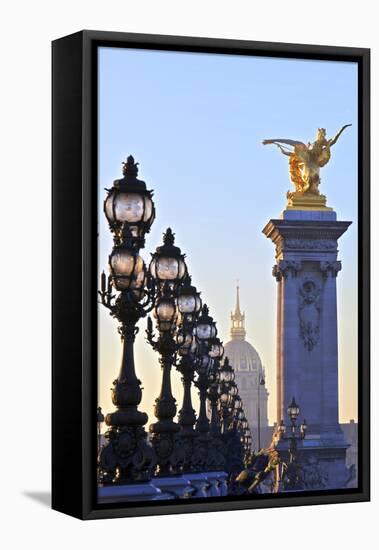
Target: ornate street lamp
[246,443]
[226,372]
[293,411]
[227,392]
[204,331]
[228,413]
[232,416]
[168,269]
[261,382]
[210,350]
[189,301]
[129,202]
[216,352]
[205,328]
[216,453]
[233,389]
[189,306]
[165,313]
[127,268]
[213,397]
[235,426]
[242,421]
[128,292]
[226,400]
[167,265]
[204,368]
[292,479]
[237,403]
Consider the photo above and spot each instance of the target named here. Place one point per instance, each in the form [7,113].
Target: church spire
[237,331]
[238,311]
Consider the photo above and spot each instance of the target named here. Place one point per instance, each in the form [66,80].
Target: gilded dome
[243,356]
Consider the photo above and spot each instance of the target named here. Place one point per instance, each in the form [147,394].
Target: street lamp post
[213,397]
[168,270]
[202,384]
[261,382]
[242,427]
[205,331]
[292,479]
[209,349]
[189,306]
[234,438]
[128,293]
[227,394]
[231,420]
[246,443]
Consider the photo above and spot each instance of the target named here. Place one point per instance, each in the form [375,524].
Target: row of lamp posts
[184,336]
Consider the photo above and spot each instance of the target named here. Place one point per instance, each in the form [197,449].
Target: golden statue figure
[305,162]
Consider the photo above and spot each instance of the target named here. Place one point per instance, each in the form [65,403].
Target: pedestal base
[321,461]
[306,201]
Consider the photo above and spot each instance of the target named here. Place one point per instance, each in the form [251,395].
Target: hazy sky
[195,123]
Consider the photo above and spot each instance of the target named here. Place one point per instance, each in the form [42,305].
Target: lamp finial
[130,168]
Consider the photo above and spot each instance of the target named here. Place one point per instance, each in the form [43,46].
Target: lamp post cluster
[184,335]
[234,425]
[291,476]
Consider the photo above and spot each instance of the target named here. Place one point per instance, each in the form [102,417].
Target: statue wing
[291,142]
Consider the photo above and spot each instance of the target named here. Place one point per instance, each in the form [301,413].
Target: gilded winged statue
[258,467]
[305,161]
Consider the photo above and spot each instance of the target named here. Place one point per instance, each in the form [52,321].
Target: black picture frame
[74,271]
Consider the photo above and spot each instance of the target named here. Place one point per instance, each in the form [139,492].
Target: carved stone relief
[309,313]
[305,244]
[331,268]
[284,267]
[318,244]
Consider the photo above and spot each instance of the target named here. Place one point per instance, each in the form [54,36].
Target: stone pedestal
[306,270]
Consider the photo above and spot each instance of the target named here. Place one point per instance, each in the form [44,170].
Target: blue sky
[195,123]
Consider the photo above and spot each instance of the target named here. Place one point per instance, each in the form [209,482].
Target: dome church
[249,373]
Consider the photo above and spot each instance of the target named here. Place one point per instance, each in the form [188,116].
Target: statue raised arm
[278,142]
[334,140]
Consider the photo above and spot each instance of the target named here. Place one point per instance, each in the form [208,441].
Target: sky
[195,123]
